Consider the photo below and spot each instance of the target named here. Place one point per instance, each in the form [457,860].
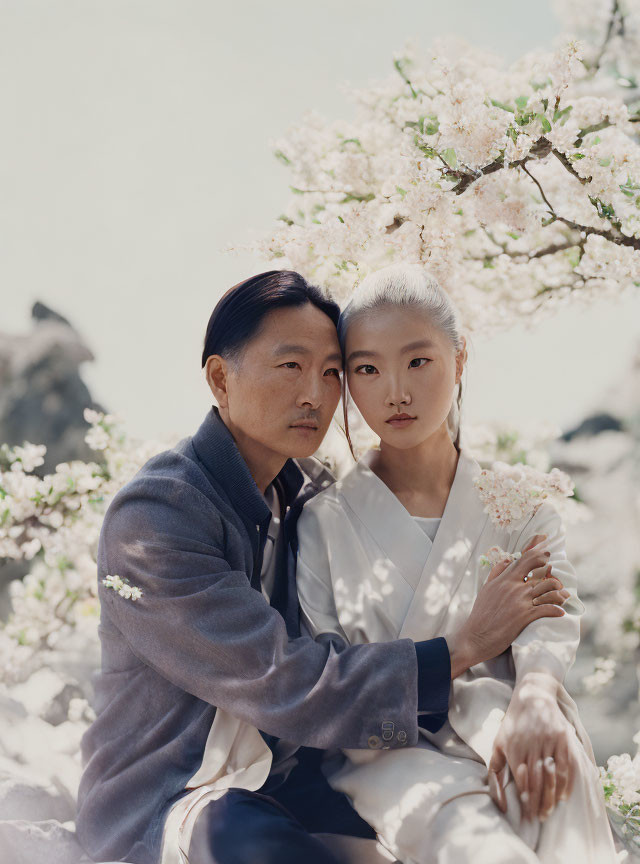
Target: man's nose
[311,391]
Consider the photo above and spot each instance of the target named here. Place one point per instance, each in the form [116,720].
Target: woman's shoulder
[330,501]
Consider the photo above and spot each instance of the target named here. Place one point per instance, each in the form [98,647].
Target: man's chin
[302,443]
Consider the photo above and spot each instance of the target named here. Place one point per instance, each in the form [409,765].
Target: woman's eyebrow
[412,346]
[421,343]
[362,353]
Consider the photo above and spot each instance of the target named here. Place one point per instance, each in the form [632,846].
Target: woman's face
[398,362]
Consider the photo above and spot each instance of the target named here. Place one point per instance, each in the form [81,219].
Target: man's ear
[216,370]
[461,358]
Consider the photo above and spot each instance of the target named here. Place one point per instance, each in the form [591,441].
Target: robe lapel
[462,524]
[388,522]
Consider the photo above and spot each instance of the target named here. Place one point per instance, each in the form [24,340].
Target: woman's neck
[421,478]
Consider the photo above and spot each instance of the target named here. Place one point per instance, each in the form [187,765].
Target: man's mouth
[306,424]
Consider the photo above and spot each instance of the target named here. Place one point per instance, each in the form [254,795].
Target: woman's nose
[398,395]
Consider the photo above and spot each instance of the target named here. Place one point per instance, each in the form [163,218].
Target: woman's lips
[400,422]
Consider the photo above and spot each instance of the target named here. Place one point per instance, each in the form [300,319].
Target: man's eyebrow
[288,348]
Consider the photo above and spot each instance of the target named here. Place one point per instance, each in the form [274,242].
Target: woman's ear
[461,359]
[216,372]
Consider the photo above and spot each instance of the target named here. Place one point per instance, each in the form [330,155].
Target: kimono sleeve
[201,626]
[318,612]
[550,644]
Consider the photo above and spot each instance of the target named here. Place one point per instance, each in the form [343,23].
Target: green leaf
[605,162]
[424,148]
[545,123]
[449,156]
[562,114]
[514,235]
[575,156]
[432,126]
[340,219]
[512,133]
[285,219]
[296,191]
[457,212]
[401,192]
[350,197]
[521,102]
[282,157]
[502,105]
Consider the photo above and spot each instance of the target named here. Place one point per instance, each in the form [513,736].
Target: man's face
[286,387]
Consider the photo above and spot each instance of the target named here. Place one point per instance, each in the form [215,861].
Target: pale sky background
[136,145]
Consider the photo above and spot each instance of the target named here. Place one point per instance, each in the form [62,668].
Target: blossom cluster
[621,785]
[54,522]
[496,554]
[512,493]
[517,186]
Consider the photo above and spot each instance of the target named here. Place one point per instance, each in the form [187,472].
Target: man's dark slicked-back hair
[239,313]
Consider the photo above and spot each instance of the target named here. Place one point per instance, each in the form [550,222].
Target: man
[206,531]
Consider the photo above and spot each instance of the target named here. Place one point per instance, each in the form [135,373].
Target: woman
[394,550]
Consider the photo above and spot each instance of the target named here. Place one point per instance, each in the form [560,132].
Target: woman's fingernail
[565,593]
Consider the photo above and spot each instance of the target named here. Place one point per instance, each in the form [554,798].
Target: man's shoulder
[172,479]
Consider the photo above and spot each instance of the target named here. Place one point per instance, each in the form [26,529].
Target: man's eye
[417,362]
[336,372]
[367,369]
[291,364]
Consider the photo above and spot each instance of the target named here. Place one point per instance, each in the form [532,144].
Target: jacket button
[402,737]
[373,742]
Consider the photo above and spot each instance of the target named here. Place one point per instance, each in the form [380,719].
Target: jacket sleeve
[550,644]
[201,625]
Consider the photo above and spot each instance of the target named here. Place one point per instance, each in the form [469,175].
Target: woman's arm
[533,737]
[318,612]
[549,645]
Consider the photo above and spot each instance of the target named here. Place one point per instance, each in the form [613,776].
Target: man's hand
[533,741]
[505,605]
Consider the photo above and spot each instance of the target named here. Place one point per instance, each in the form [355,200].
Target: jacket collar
[217,450]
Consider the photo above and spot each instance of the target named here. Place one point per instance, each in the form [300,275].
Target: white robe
[369,573]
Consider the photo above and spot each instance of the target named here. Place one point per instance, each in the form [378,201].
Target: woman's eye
[417,362]
[366,369]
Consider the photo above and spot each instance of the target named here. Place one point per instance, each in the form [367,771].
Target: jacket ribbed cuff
[434,675]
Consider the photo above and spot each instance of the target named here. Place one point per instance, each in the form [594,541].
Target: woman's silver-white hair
[413,286]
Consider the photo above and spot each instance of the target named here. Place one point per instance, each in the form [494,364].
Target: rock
[22,798]
[594,425]
[44,842]
[42,396]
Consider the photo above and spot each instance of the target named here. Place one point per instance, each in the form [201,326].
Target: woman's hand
[505,605]
[533,740]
